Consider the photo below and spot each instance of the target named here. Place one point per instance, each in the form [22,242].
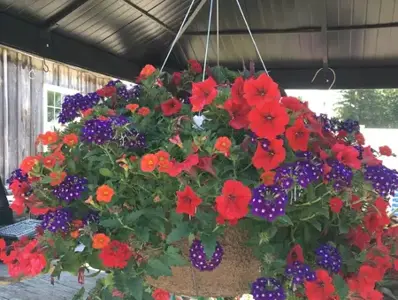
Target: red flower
[360,139]
[369,158]
[322,288]
[268,120]
[359,237]
[115,255]
[298,136]
[336,204]
[49,161]
[294,104]
[144,111]
[262,89]
[29,163]
[348,155]
[356,203]
[206,164]
[368,276]
[238,111]
[233,204]
[160,294]
[377,218]
[187,201]
[106,91]
[195,66]
[176,78]
[203,93]
[385,150]
[223,144]
[295,254]
[271,158]
[171,107]
[146,71]
[237,90]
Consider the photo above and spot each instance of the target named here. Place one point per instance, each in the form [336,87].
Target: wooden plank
[2,113]
[37,103]
[13,124]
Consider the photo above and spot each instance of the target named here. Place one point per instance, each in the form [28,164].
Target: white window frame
[48,126]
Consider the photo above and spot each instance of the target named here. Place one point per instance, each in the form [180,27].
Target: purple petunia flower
[71,188]
[198,258]
[328,257]
[300,272]
[267,289]
[268,202]
[56,221]
[383,179]
[97,131]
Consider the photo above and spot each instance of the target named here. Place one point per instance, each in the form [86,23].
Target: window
[53,97]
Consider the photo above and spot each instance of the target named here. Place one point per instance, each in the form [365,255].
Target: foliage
[372,108]
[131,173]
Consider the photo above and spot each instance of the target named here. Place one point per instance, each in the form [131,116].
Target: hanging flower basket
[262,196]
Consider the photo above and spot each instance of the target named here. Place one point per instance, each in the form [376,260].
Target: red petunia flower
[356,203]
[233,204]
[262,89]
[195,66]
[385,150]
[336,204]
[369,158]
[203,93]
[376,218]
[171,107]
[115,255]
[295,254]
[238,111]
[298,136]
[348,155]
[160,294]
[359,237]
[237,90]
[106,91]
[271,158]
[187,201]
[268,120]
[294,104]
[176,78]
[206,164]
[360,139]
[320,289]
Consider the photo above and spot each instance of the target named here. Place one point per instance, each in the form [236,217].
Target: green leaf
[157,268]
[79,295]
[71,165]
[133,216]
[94,261]
[341,286]
[181,231]
[209,243]
[174,258]
[344,227]
[316,225]
[110,223]
[45,180]
[142,234]
[285,220]
[137,286]
[106,172]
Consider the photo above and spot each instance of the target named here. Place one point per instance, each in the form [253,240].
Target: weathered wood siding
[21,100]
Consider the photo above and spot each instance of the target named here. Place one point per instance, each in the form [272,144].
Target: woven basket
[237,270]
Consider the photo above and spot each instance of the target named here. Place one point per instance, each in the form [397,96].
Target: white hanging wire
[218,31]
[327,80]
[177,36]
[207,40]
[251,35]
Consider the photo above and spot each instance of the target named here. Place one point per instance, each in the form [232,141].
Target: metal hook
[45,66]
[327,80]
[31,74]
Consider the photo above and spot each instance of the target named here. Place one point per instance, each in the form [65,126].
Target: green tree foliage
[372,108]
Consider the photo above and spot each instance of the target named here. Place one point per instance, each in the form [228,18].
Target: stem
[315,201]
[109,155]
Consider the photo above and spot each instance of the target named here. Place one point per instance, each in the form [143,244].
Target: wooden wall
[21,100]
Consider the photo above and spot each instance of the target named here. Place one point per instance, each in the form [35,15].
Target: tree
[372,108]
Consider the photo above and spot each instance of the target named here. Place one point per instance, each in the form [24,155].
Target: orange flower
[268,178]
[103,118]
[144,111]
[163,160]
[87,112]
[147,71]
[149,162]
[29,163]
[385,150]
[132,107]
[59,156]
[71,139]
[100,241]
[57,178]
[105,193]
[49,161]
[48,138]
[111,112]
[74,234]
[133,158]
[223,144]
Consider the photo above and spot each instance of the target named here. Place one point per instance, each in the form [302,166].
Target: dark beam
[52,22]
[295,30]
[28,37]
[324,32]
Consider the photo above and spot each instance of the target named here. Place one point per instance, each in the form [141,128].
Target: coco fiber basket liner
[237,270]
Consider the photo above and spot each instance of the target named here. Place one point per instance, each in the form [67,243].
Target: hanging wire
[207,39]
[177,36]
[334,77]
[251,35]
[218,31]
[45,66]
